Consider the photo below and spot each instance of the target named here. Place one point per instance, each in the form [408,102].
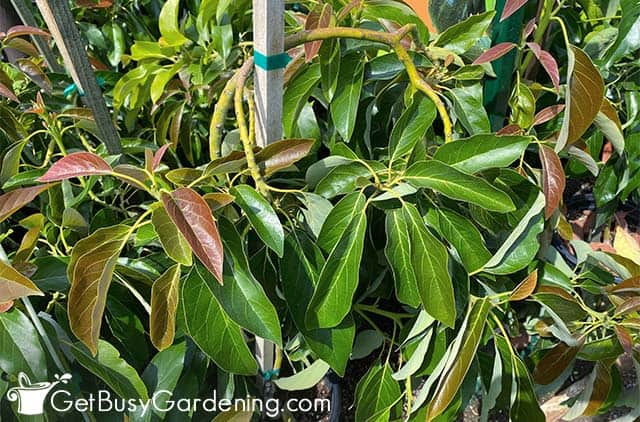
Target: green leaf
[296,96]
[411,127]
[343,180]
[211,328]
[525,405]
[458,185]
[304,379]
[467,102]
[462,235]
[462,36]
[584,96]
[609,124]
[339,277]
[241,296]
[366,342]
[161,80]
[21,349]
[173,242]
[330,59]
[452,380]
[339,219]
[112,369]
[376,394]
[344,106]
[523,106]
[398,252]
[430,263]
[628,30]
[163,373]
[414,363]
[14,285]
[168,25]
[90,270]
[261,216]
[300,268]
[164,303]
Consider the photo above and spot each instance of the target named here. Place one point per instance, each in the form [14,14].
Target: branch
[219,115]
[393,40]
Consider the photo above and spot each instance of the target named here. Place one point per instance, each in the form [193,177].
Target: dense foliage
[412,222]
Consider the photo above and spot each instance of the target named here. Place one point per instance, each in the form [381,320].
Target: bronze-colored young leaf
[553,179]
[173,242]
[511,7]
[22,30]
[630,285]
[164,303]
[451,382]
[282,154]
[628,306]
[14,285]
[75,165]
[601,387]
[525,288]
[217,200]
[555,362]
[584,97]
[157,157]
[318,18]
[192,216]
[11,202]
[625,339]
[90,270]
[7,92]
[547,114]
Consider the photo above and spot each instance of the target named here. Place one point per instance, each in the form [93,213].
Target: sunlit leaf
[553,179]
[282,154]
[76,165]
[14,285]
[554,362]
[525,288]
[164,303]
[168,25]
[173,242]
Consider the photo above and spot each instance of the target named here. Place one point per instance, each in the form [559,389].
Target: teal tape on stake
[275,62]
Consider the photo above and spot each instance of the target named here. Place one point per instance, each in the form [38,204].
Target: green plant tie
[269,375]
[274,62]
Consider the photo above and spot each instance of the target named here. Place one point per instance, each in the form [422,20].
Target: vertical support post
[270,61]
[61,24]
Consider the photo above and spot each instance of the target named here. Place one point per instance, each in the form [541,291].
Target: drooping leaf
[107,365]
[261,215]
[304,379]
[548,63]
[14,285]
[173,242]
[584,97]
[7,92]
[162,374]
[282,154]
[594,394]
[608,122]
[398,253]
[553,179]
[524,405]
[525,288]
[164,303]
[376,393]
[458,185]
[339,277]
[75,165]
[414,363]
[430,263]
[296,96]
[495,52]
[554,362]
[211,328]
[90,270]
[12,201]
[344,107]
[412,126]
[168,25]
[192,216]
[452,380]
[22,30]
[21,348]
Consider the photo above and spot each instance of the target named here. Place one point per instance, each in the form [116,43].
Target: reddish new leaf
[494,52]
[548,62]
[601,387]
[628,306]
[553,179]
[511,7]
[547,114]
[512,129]
[11,202]
[75,165]
[157,157]
[192,216]
[282,154]
[624,338]
[554,363]
[529,28]
[525,288]
[316,20]
[5,91]
[20,30]
[4,307]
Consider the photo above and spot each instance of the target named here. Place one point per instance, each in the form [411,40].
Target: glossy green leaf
[628,27]
[300,268]
[399,252]
[164,303]
[173,242]
[524,406]
[168,25]
[21,349]
[339,219]
[304,379]
[523,106]
[163,373]
[344,106]
[343,179]
[296,96]
[412,126]
[462,235]
[241,296]
[261,216]
[452,380]
[430,264]
[414,363]
[467,102]
[211,328]
[458,185]
[338,280]
[90,270]
[376,393]
[112,369]
[462,36]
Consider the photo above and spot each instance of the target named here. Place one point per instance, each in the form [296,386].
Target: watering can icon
[30,396]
